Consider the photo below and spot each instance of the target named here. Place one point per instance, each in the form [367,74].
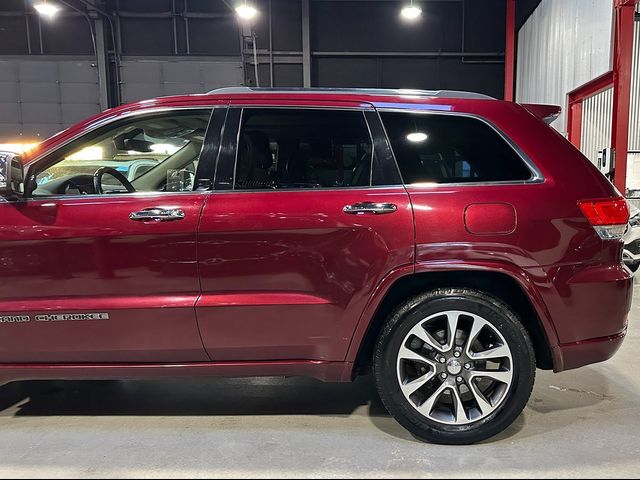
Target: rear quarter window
[436,148]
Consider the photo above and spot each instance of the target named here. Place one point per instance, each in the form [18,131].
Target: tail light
[609,216]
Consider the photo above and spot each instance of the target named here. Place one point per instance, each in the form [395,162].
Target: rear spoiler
[546,113]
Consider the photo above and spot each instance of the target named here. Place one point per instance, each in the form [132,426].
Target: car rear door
[104,278]
[299,230]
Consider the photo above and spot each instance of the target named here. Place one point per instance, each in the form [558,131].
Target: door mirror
[11,176]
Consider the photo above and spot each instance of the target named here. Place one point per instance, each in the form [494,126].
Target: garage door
[154,78]
[41,97]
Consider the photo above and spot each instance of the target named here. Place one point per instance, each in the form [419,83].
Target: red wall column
[575,123]
[622,69]
[510,52]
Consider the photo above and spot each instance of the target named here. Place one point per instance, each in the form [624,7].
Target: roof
[379,92]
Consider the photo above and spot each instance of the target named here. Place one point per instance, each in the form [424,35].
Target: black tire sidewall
[416,310]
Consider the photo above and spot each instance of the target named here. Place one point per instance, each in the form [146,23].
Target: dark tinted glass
[296,148]
[451,149]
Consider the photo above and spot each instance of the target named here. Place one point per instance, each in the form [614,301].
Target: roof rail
[396,92]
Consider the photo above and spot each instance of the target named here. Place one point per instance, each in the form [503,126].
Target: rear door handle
[158,214]
[370,208]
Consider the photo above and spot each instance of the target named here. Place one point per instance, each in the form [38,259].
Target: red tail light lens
[610,211]
[609,216]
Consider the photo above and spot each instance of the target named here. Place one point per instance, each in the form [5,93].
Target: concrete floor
[584,423]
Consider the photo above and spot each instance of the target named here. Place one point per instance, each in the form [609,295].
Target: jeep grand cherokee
[448,241]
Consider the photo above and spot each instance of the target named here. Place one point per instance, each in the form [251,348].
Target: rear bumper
[586,352]
[588,306]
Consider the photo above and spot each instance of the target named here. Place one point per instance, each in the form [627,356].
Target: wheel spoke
[414,385]
[408,354]
[476,328]
[426,337]
[500,351]
[498,375]
[484,406]
[427,406]
[452,327]
[461,415]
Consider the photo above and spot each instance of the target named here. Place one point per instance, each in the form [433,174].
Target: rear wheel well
[499,285]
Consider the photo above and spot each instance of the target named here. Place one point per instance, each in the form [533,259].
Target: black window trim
[382,151]
[236,125]
[536,175]
[210,152]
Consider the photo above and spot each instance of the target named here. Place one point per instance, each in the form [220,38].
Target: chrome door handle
[158,214]
[371,208]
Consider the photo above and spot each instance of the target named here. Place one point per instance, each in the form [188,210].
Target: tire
[460,415]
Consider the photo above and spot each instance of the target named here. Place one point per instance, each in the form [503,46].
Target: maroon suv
[449,241]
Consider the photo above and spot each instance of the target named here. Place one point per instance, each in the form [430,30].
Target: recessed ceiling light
[246,12]
[417,137]
[411,12]
[46,9]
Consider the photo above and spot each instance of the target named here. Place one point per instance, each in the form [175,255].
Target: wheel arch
[507,282]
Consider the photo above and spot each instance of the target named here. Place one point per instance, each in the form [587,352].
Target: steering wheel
[97,179]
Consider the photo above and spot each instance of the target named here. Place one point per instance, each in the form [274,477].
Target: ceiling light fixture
[246,12]
[46,9]
[411,12]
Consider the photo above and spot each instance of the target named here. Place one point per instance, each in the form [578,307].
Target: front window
[158,152]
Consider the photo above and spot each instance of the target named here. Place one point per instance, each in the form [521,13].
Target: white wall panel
[597,118]
[633,160]
[633,173]
[634,124]
[563,45]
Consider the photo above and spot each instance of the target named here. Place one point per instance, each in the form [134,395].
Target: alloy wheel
[455,367]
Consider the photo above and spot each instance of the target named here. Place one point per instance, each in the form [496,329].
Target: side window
[156,152]
[451,149]
[297,148]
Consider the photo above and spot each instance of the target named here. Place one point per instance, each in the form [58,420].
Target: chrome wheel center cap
[454,367]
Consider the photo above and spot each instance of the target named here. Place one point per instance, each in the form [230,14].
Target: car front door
[299,231]
[106,271]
